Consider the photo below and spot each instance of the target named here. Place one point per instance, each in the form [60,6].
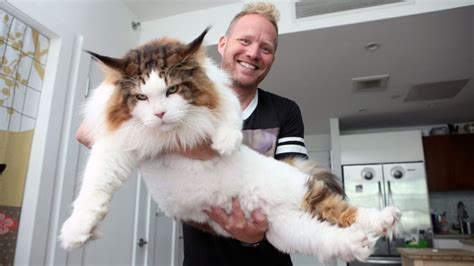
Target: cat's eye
[141,97]
[171,90]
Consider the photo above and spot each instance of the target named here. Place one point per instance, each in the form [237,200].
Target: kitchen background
[448,201]
[420,48]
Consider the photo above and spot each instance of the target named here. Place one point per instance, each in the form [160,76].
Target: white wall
[188,25]
[105,25]
[71,27]
[319,148]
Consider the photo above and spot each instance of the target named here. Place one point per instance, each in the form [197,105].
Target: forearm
[201,226]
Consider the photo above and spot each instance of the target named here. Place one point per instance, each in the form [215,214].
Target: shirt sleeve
[290,142]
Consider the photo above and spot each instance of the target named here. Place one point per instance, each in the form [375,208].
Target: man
[272,126]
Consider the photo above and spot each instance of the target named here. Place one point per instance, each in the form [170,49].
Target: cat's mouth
[247,65]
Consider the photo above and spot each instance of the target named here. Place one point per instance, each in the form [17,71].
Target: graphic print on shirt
[262,140]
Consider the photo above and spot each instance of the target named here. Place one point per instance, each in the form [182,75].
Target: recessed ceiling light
[372,46]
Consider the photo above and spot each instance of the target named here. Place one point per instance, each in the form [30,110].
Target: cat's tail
[317,173]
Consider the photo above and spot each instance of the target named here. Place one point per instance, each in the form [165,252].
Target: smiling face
[248,50]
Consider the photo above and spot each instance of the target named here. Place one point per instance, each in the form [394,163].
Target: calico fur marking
[324,197]
[178,64]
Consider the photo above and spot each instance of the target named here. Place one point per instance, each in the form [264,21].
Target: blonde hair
[267,10]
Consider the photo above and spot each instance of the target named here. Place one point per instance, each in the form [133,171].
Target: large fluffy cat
[165,96]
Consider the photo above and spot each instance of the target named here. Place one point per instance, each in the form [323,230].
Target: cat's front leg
[382,222]
[106,170]
[227,137]
[226,140]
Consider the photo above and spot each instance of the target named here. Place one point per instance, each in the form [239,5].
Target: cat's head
[159,83]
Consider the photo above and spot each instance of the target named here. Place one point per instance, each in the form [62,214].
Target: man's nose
[253,52]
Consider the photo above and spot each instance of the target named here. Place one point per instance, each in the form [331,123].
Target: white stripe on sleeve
[291,149]
[287,139]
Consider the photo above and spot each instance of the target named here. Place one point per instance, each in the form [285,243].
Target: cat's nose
[160,114]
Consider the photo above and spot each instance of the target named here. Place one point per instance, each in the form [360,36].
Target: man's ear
[221,45]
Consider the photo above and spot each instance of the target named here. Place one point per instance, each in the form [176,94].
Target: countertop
[451,236]
[467,241]
[437,254]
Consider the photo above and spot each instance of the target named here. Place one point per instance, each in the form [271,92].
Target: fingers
[219,216]
[237,225]
[260,221]
[237,214]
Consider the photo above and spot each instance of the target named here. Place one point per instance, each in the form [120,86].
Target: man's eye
[244,41]
[141,97]
[171,90]
[268,50]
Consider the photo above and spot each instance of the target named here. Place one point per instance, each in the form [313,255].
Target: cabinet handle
[142,242]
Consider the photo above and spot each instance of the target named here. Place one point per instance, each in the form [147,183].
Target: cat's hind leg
[324,203]
[382,222]
[300,232]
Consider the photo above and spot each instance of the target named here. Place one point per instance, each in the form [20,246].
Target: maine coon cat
[165,96]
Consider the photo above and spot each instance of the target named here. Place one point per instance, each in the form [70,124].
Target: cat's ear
[193,46]
[117,64]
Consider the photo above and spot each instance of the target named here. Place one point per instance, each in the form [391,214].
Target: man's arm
[290,142]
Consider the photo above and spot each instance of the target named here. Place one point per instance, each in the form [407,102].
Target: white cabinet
[447,243]
[402,146]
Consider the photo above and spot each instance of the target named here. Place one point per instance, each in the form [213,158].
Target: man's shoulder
[275,98]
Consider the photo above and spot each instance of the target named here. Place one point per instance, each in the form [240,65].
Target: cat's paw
[226,141]
[381,223]
[388,220]
[75,233]
[358,244]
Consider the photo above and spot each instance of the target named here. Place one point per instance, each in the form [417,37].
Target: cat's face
[159,84]
[160,104]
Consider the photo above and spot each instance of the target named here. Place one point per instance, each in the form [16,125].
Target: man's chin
[245,84]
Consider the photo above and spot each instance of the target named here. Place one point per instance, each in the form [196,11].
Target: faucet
[461,215]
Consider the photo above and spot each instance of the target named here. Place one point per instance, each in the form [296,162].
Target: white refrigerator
[400,184]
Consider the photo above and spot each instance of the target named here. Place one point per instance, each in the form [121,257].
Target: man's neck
[246,96]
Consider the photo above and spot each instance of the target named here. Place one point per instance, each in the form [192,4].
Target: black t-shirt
[272,126]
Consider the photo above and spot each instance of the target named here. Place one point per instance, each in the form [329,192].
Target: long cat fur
[189,102]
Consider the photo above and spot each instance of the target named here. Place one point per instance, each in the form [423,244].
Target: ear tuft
[193,46]
[114,63]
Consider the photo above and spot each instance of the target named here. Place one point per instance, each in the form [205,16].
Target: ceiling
[315,68]
[154,9]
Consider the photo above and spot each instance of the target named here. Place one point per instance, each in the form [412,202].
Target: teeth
[247,65]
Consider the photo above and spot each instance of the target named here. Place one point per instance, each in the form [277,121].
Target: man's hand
[201,152]
[248,231]
[83,136]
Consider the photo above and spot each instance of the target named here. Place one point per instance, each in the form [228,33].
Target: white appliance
[400,184]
